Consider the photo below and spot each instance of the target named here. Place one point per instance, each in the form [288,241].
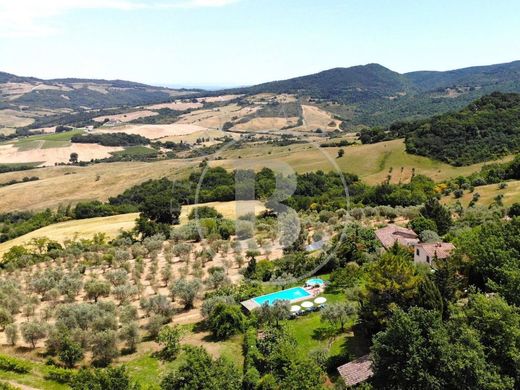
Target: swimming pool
[315,282]
[291,294]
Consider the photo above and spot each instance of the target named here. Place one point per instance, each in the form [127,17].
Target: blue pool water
[288,295]
[312,282]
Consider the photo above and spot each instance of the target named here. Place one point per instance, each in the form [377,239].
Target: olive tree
[96,288]
[186,291]
[104,347]
[33,331]
[169,338]
[129,333]
[11,334]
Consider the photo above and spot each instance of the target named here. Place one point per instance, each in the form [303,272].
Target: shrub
[225,320]
[514,210]
[11,334]
[169,337]
[60,375]
[14,365]
[204,212]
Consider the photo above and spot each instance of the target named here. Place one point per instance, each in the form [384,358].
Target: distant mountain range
[369,95]
[78,94]
[375,95]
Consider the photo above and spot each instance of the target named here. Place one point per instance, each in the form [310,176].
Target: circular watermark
[245,168]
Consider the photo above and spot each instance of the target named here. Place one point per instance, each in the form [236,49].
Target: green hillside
[374,95]
[486,129]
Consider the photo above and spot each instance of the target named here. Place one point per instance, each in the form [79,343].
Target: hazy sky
[238,42]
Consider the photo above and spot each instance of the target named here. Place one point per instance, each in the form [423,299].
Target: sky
[224,43]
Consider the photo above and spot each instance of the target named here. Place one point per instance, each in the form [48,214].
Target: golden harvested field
[154,131]
[316,118]
[208,133]
[64,185]
[216,117]
[229,210]
[265,124]
[127,117]
[113,225]
[12,118]
[14,90]
[179,106]
[69,185]
[213,99]
[488,193]
[6,131]
[83,228]
[37,152]
[265,97]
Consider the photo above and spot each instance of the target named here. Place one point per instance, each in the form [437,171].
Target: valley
[135,228]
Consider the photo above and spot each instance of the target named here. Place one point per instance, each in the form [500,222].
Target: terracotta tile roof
[392,233]
[441,250]
[356,371]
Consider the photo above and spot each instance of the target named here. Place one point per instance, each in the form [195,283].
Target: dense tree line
[4,168]
[111,139]
[25,179]
[17,224]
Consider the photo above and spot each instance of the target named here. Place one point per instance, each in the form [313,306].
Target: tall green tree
[199,371]
[226,320]
[393,281]
[498,326]
[417,351]
[435,211]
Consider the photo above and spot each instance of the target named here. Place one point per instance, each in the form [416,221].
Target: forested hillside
[373,95]
[486,129]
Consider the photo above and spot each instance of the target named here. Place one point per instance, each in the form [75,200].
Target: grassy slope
[69,185]
[136,151]
[83,228]
[227,209]
[34,379]
[111,226]
[64,185]
[371,162]
[489,192]
[47,141]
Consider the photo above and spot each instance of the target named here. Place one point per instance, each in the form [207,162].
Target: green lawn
[47,141]
[311,333]
[136,151]
[148,370]
[64,136]
[33,379]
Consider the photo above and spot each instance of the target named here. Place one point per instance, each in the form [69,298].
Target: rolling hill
[345,84]
[375,95]
[29,102]
[76,94]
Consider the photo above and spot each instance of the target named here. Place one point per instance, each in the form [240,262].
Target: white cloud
[36,17]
